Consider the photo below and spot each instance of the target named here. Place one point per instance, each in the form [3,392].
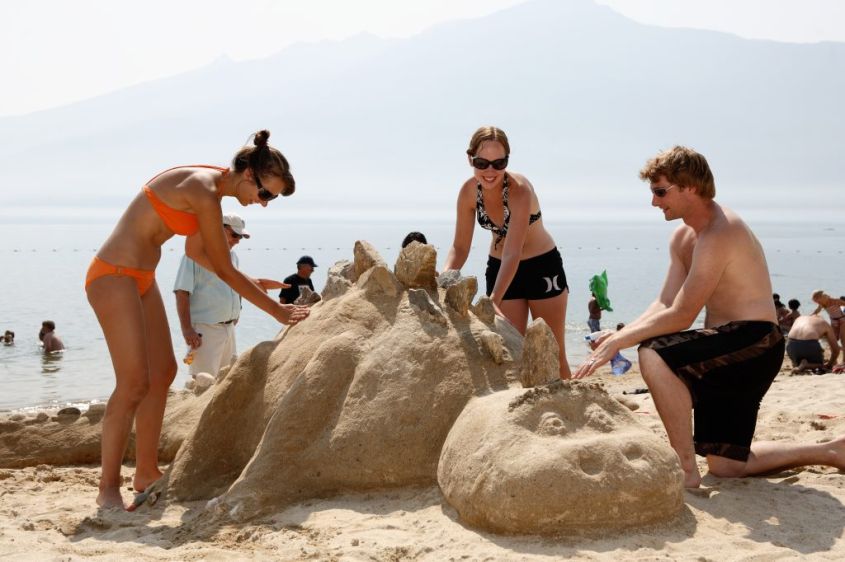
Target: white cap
[236,223]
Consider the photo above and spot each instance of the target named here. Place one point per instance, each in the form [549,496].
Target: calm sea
[43,266]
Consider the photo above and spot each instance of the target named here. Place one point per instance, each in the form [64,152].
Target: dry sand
[47,513]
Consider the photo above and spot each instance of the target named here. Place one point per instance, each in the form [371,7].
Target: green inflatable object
[598,286]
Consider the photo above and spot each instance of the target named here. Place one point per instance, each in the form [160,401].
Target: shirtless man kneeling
[725,369]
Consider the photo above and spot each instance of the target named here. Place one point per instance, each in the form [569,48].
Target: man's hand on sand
[603,353]
[292,313]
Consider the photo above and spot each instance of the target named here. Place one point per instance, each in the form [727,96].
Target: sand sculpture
[557,458]
[73,437]
[363,395]
[360,396]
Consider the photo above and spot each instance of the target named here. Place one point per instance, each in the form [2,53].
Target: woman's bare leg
[516,311]
[162,369]
[553,311]
[118,307]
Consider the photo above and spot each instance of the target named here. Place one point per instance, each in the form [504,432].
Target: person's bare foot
[692,476]
[144,479]
[110,498]
[692,479]
[837,452]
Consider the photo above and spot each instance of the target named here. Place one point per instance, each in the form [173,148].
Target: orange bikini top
[180,222]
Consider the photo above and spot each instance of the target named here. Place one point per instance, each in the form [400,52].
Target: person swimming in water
[122,290]
[49,339]
[524,269]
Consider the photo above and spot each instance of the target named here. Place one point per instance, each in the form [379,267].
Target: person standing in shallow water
[524,269]
[122,290]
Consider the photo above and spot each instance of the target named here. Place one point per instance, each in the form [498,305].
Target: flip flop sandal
[149,496]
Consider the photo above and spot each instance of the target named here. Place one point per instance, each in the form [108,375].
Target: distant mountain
[585,94]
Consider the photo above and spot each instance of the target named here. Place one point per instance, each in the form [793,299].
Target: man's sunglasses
[263,193]
[482,163]
[661,191]
[234,234]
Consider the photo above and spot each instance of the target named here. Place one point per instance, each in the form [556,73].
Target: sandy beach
[47,512]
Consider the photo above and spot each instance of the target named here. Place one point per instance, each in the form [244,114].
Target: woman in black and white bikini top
[524,268]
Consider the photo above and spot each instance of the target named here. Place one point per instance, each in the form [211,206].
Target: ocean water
[43,266]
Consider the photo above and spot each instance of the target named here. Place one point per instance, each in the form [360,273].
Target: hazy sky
[53,52]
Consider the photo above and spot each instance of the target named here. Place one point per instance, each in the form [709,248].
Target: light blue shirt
[212,300]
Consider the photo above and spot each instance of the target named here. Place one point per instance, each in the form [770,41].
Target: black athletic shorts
[810,350]
[540,277]
[728,370]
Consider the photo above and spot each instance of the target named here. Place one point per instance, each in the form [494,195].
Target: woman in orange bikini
[122,291]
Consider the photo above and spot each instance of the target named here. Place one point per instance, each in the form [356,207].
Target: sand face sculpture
[560,458]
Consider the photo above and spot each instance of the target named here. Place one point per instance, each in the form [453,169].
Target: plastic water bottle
[189,357]
[619,365]
[590,339]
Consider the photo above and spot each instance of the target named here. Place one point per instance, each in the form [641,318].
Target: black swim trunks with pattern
[728,370]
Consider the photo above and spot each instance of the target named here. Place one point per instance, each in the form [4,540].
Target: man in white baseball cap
[236,224]
[208,308]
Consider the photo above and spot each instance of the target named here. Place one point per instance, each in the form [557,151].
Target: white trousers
[217,349]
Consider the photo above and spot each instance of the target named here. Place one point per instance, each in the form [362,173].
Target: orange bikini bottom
[144,278]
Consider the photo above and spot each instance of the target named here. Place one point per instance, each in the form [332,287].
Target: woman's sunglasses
[263,193]
[482,163]
[661,191]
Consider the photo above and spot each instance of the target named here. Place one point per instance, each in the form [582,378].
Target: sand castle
[364,394]
[397,379]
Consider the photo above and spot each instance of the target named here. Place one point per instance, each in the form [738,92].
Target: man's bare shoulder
[682,237]
[727,223]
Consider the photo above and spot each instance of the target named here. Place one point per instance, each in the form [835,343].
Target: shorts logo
[552,282]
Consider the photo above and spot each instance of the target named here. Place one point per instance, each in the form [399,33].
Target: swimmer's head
[819,296]
[264,160]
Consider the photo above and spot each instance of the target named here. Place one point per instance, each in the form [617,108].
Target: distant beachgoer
[833,307]
[122,290]
[52,342]
[594,320]
[302,278]
[803,346]
[414,237]
[619,326]
[9,337]
[524,269]
[791,316]
[726,368]
[780,310]
[208,308]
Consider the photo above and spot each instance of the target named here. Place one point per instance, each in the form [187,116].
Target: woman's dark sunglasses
[482,163]
[263,193]
[661,191]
